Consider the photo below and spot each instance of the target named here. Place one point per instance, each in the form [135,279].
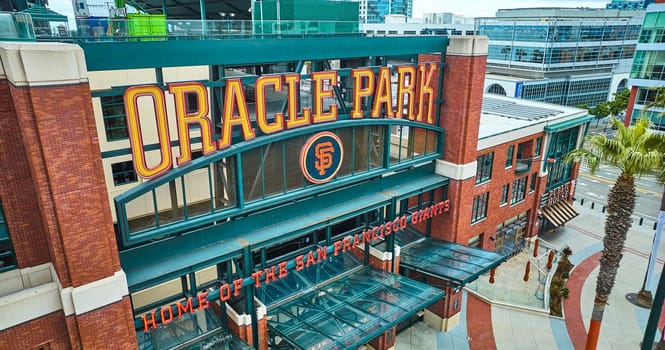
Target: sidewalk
[511,314]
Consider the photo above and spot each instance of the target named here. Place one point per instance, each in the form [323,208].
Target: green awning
[449,261]
[41,13]
[568,124]
[347,312]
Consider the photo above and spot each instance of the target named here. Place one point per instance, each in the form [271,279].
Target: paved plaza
[513,314]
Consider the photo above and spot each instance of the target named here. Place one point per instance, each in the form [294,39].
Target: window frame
[127,172]
[510,155]
[519,191]
[505,190]
[484,168]
[109,103]
[479,207]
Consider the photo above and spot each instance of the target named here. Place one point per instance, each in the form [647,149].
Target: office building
[648,70]
[375,11]
[563,56]
[628,4]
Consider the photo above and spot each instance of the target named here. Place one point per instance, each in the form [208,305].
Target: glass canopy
[202,329]
[449,261]
[348,311]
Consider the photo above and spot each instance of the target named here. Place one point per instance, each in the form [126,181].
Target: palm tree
[506,51]
[520,53]
[537,56]
[635,151]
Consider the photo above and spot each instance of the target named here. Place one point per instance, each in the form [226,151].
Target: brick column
[54,194]
[240,324]
[463,83]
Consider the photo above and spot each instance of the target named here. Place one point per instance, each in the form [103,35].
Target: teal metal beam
[568,124]
[172,257]
[175,53]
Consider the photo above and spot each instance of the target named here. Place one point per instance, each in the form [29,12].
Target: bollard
[641,221]
[603,209]
[592,204]
[582,201]
[492,272]
[526,271]
[535,248]
[550,259]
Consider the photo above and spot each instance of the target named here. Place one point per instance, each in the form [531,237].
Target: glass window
[496,89]
[532,184]
[484,168]
[538,148]
[562,142]
[504,193]
[123,173]
[479,210]
[519,190]
[7,256]
[646,95]
[115,123]
[509,156]
[649,65]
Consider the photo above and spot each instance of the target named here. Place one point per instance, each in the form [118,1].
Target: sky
[469,8]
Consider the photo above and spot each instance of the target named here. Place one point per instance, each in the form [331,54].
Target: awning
[347,312]
[449,261]
[568,124]
[560,212]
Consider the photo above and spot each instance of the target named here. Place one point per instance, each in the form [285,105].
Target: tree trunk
[620,206]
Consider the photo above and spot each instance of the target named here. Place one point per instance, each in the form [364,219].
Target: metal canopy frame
[351,310]
[449,261]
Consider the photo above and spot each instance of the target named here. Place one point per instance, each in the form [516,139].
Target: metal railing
[18,26]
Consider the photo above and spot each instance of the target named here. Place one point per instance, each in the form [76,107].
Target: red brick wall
[55,132]
[109,327]
[496,214]
[463,81]
[54,197]
[17,193]
[50,329]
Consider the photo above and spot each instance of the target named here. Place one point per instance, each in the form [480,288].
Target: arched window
[496,89]
[622,85]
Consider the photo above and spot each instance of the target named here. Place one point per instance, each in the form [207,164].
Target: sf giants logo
[321,157]
[324,155]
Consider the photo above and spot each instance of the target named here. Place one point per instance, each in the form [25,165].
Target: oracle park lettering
[414,90]
[169,313]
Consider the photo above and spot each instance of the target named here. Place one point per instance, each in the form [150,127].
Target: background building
[628,4]
[648,69]
[375,11]
[561,56]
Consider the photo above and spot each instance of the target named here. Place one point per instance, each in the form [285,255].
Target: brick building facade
[227,245]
